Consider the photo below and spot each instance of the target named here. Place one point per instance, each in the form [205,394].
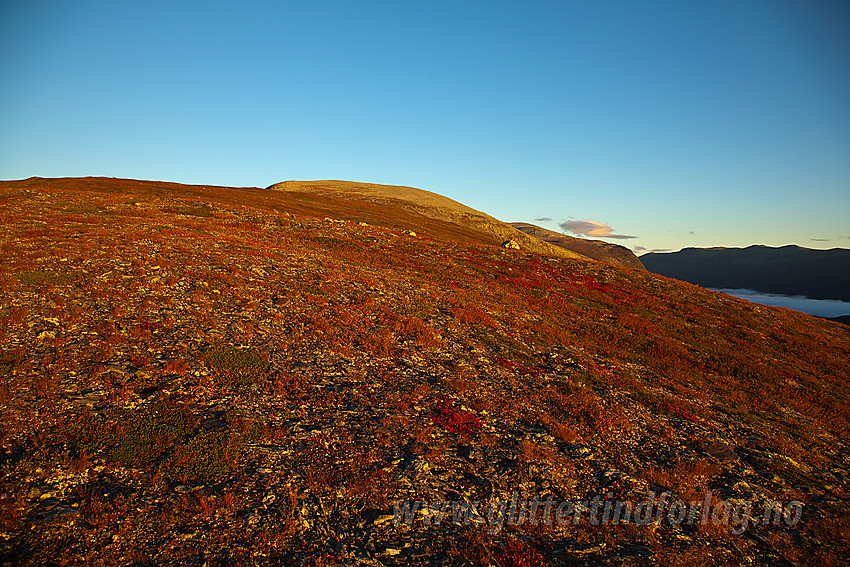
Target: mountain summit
[445,216]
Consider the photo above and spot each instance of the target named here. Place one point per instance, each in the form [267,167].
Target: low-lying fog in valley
[816,307]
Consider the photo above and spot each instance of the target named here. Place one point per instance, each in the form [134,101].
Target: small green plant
[88,434]
[334,244]
[162,439]
[131,438]
[313,290]
[41,277]
[200,210]
[240,367]
[145,436]
[205,457]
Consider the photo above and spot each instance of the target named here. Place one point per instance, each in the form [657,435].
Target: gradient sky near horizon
[652,124]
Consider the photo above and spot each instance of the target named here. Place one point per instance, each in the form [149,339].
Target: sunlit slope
[594,249]
[193,367]
[427,204]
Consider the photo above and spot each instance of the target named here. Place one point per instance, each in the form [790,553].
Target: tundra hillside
[222,376]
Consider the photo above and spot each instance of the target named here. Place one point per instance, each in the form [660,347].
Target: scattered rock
[718,449]
[383,519]
[213,424]
[252,518]
[188,488]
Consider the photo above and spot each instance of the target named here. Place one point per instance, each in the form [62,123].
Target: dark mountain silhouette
[787,270]
[593,249]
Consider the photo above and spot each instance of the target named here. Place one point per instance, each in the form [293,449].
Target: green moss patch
[239,367]
[41,277]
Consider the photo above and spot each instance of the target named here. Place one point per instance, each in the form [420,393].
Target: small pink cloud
[592,228]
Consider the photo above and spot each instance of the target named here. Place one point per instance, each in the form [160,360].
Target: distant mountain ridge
[787,270]
[593,249]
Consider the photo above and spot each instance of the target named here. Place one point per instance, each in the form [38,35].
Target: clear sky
[679,123]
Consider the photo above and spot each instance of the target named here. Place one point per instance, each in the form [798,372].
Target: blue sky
[679,123]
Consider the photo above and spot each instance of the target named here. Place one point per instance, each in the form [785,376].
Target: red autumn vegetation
[457,421]
[191,372]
